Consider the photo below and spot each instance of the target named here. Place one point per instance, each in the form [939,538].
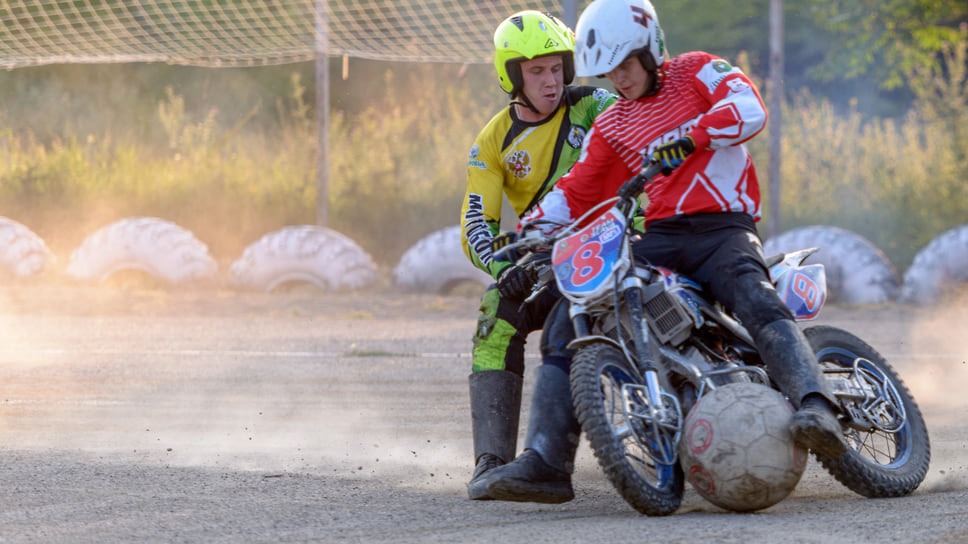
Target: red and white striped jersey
[702,96]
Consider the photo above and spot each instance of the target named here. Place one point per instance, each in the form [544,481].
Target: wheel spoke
[626,431]
[889,449]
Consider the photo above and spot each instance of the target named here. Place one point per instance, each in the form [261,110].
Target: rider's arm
[596,177]
[736,112]
[480,215]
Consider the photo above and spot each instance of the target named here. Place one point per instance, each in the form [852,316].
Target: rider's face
[630,78]
[544,83]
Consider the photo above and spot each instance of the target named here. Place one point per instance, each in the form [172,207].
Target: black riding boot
[495,412]
[543,472]
[792,365]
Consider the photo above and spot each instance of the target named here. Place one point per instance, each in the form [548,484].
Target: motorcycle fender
[579,342]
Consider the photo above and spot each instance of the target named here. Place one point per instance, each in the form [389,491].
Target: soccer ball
[737,450]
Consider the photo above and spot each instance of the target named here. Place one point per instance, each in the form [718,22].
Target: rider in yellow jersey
[521,152]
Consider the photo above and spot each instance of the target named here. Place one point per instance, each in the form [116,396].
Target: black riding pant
[722,252]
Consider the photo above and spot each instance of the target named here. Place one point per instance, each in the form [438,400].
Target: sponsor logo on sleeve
[576,136]
[475,229]
[472,160]
[737,85]
[602,97]
[713,73]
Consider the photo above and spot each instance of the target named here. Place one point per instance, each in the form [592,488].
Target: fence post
[776,114]
[322,114]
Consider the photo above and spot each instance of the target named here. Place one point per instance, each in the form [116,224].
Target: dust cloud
[239,382]
[939,354]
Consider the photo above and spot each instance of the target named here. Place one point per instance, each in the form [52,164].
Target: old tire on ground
[155,246]
[857,271]
[939,266]
[306,253]
[22,253]
[436,264]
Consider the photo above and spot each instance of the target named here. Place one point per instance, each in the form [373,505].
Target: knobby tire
[589,400]
[864,475]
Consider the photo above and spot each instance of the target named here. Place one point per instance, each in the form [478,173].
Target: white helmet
[608,31]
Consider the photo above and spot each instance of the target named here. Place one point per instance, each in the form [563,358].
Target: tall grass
[897,183]
[397,166]
[396,169]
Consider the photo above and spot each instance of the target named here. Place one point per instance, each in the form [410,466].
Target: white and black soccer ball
[737,450]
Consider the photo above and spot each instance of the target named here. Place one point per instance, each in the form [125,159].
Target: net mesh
[252,32]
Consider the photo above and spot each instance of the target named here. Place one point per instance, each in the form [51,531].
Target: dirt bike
[650,343]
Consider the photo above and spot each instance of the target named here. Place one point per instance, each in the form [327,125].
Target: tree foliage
[856,53]
[885,40]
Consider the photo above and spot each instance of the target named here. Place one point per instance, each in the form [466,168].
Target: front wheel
[889,450]
[604,390]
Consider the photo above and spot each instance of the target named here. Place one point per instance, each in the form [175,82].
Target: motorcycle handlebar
[527,242]
[631,189]
[532,239]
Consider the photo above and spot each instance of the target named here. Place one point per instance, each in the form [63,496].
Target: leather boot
[495,412]
[543,472]
[792,365]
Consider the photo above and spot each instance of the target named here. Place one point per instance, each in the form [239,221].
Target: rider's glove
[514,283]
[500,242]
[673,154]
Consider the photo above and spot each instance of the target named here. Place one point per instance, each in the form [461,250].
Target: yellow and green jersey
[523,161]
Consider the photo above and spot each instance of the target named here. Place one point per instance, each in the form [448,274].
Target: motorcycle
[649,343]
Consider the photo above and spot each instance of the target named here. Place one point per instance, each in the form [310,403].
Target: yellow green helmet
[526,35]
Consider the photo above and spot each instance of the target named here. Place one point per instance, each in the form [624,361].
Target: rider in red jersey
[702,98]
[692,113]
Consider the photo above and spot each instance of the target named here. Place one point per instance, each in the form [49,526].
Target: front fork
[656,416]
[632,293]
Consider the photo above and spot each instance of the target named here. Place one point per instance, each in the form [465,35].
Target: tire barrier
[22,253]
[939,266]
[857,272]
[306,253]
[436,264]
[158,247]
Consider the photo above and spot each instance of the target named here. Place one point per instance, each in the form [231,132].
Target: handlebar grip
[632,188]
[651,170]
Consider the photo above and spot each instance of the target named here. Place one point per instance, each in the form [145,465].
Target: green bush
[898,184]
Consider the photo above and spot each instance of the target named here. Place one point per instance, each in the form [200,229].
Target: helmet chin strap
[656,82]
[526,103]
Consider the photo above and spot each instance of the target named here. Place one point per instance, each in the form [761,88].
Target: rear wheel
[604,389]
[889,450]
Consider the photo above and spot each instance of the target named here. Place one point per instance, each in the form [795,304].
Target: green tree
[886,40]
[730,29]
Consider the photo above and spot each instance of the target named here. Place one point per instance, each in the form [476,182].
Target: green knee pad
[492,337]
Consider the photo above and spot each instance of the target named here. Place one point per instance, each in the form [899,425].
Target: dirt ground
[149,415]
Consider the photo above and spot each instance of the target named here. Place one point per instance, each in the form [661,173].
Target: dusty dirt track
[142,415]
